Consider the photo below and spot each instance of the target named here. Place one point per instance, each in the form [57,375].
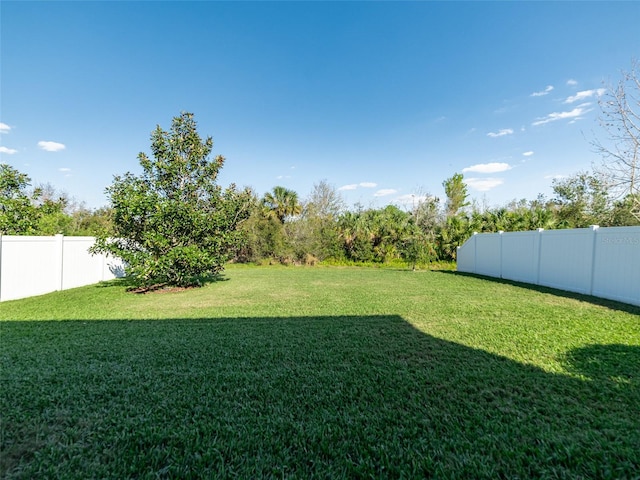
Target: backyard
[323,372]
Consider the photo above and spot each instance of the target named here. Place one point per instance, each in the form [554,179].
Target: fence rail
[36,265]
[604,262]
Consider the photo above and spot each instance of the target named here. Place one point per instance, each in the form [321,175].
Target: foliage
[426,213]
[515,217]
[375,235]
[282,229]
[173,224]
[450,235]
[624,213]
[53,219]
[18,213]
[324,202]
[43,210]
[264,236]
[313,233]
[63,214]
[281,203]
[54,210]
[417,249]
[581,200]
[91,222]
[457,194]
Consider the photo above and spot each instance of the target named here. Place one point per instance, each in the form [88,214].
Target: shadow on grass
[328,397]
[131,285]
[603,302]
[607,363]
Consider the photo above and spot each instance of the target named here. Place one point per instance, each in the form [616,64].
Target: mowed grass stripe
[320,373]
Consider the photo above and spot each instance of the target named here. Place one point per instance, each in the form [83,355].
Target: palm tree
[281,203]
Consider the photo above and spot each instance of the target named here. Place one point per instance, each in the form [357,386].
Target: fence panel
[566,259]
[489,262]
[79,266]
[617,264]
[36,265]
[29,266]
[466,256]
[604,262]
[520,256]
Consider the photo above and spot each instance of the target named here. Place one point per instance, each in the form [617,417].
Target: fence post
[59,245]
[538,254]
[475,252]
[594,229]
[500,232]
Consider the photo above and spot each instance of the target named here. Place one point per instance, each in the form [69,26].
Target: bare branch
[620,119]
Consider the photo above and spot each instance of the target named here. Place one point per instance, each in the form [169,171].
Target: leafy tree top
[282,203]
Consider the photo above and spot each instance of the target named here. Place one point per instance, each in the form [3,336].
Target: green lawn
[320,373]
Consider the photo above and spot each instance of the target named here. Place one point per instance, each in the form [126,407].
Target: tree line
[43,210]
[281,228]
[321,228]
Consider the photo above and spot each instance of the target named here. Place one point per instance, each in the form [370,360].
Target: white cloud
[492,167]
[4,128]
[585,94]
[353,186]
[554,177]
[573,114]
[384,192]
[64,169]
[501,133]
[411,199]
[8,151]
[51,146]
[527,154]
[483,184]
[572,83]
[544,92]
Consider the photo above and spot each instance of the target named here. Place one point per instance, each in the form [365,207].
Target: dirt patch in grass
[159,288]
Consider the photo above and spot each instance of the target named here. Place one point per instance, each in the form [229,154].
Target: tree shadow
[131,285]
[607,363]
[602,302]
[117,270]
[310,397]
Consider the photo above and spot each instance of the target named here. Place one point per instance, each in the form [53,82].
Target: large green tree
[173,224]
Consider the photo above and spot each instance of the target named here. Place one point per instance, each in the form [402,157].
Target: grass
[322,372]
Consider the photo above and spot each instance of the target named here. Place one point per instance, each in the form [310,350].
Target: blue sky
[382,100]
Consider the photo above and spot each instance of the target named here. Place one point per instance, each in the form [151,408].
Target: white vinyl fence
[36,265]
[604,262]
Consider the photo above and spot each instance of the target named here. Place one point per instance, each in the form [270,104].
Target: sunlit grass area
[320,373]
